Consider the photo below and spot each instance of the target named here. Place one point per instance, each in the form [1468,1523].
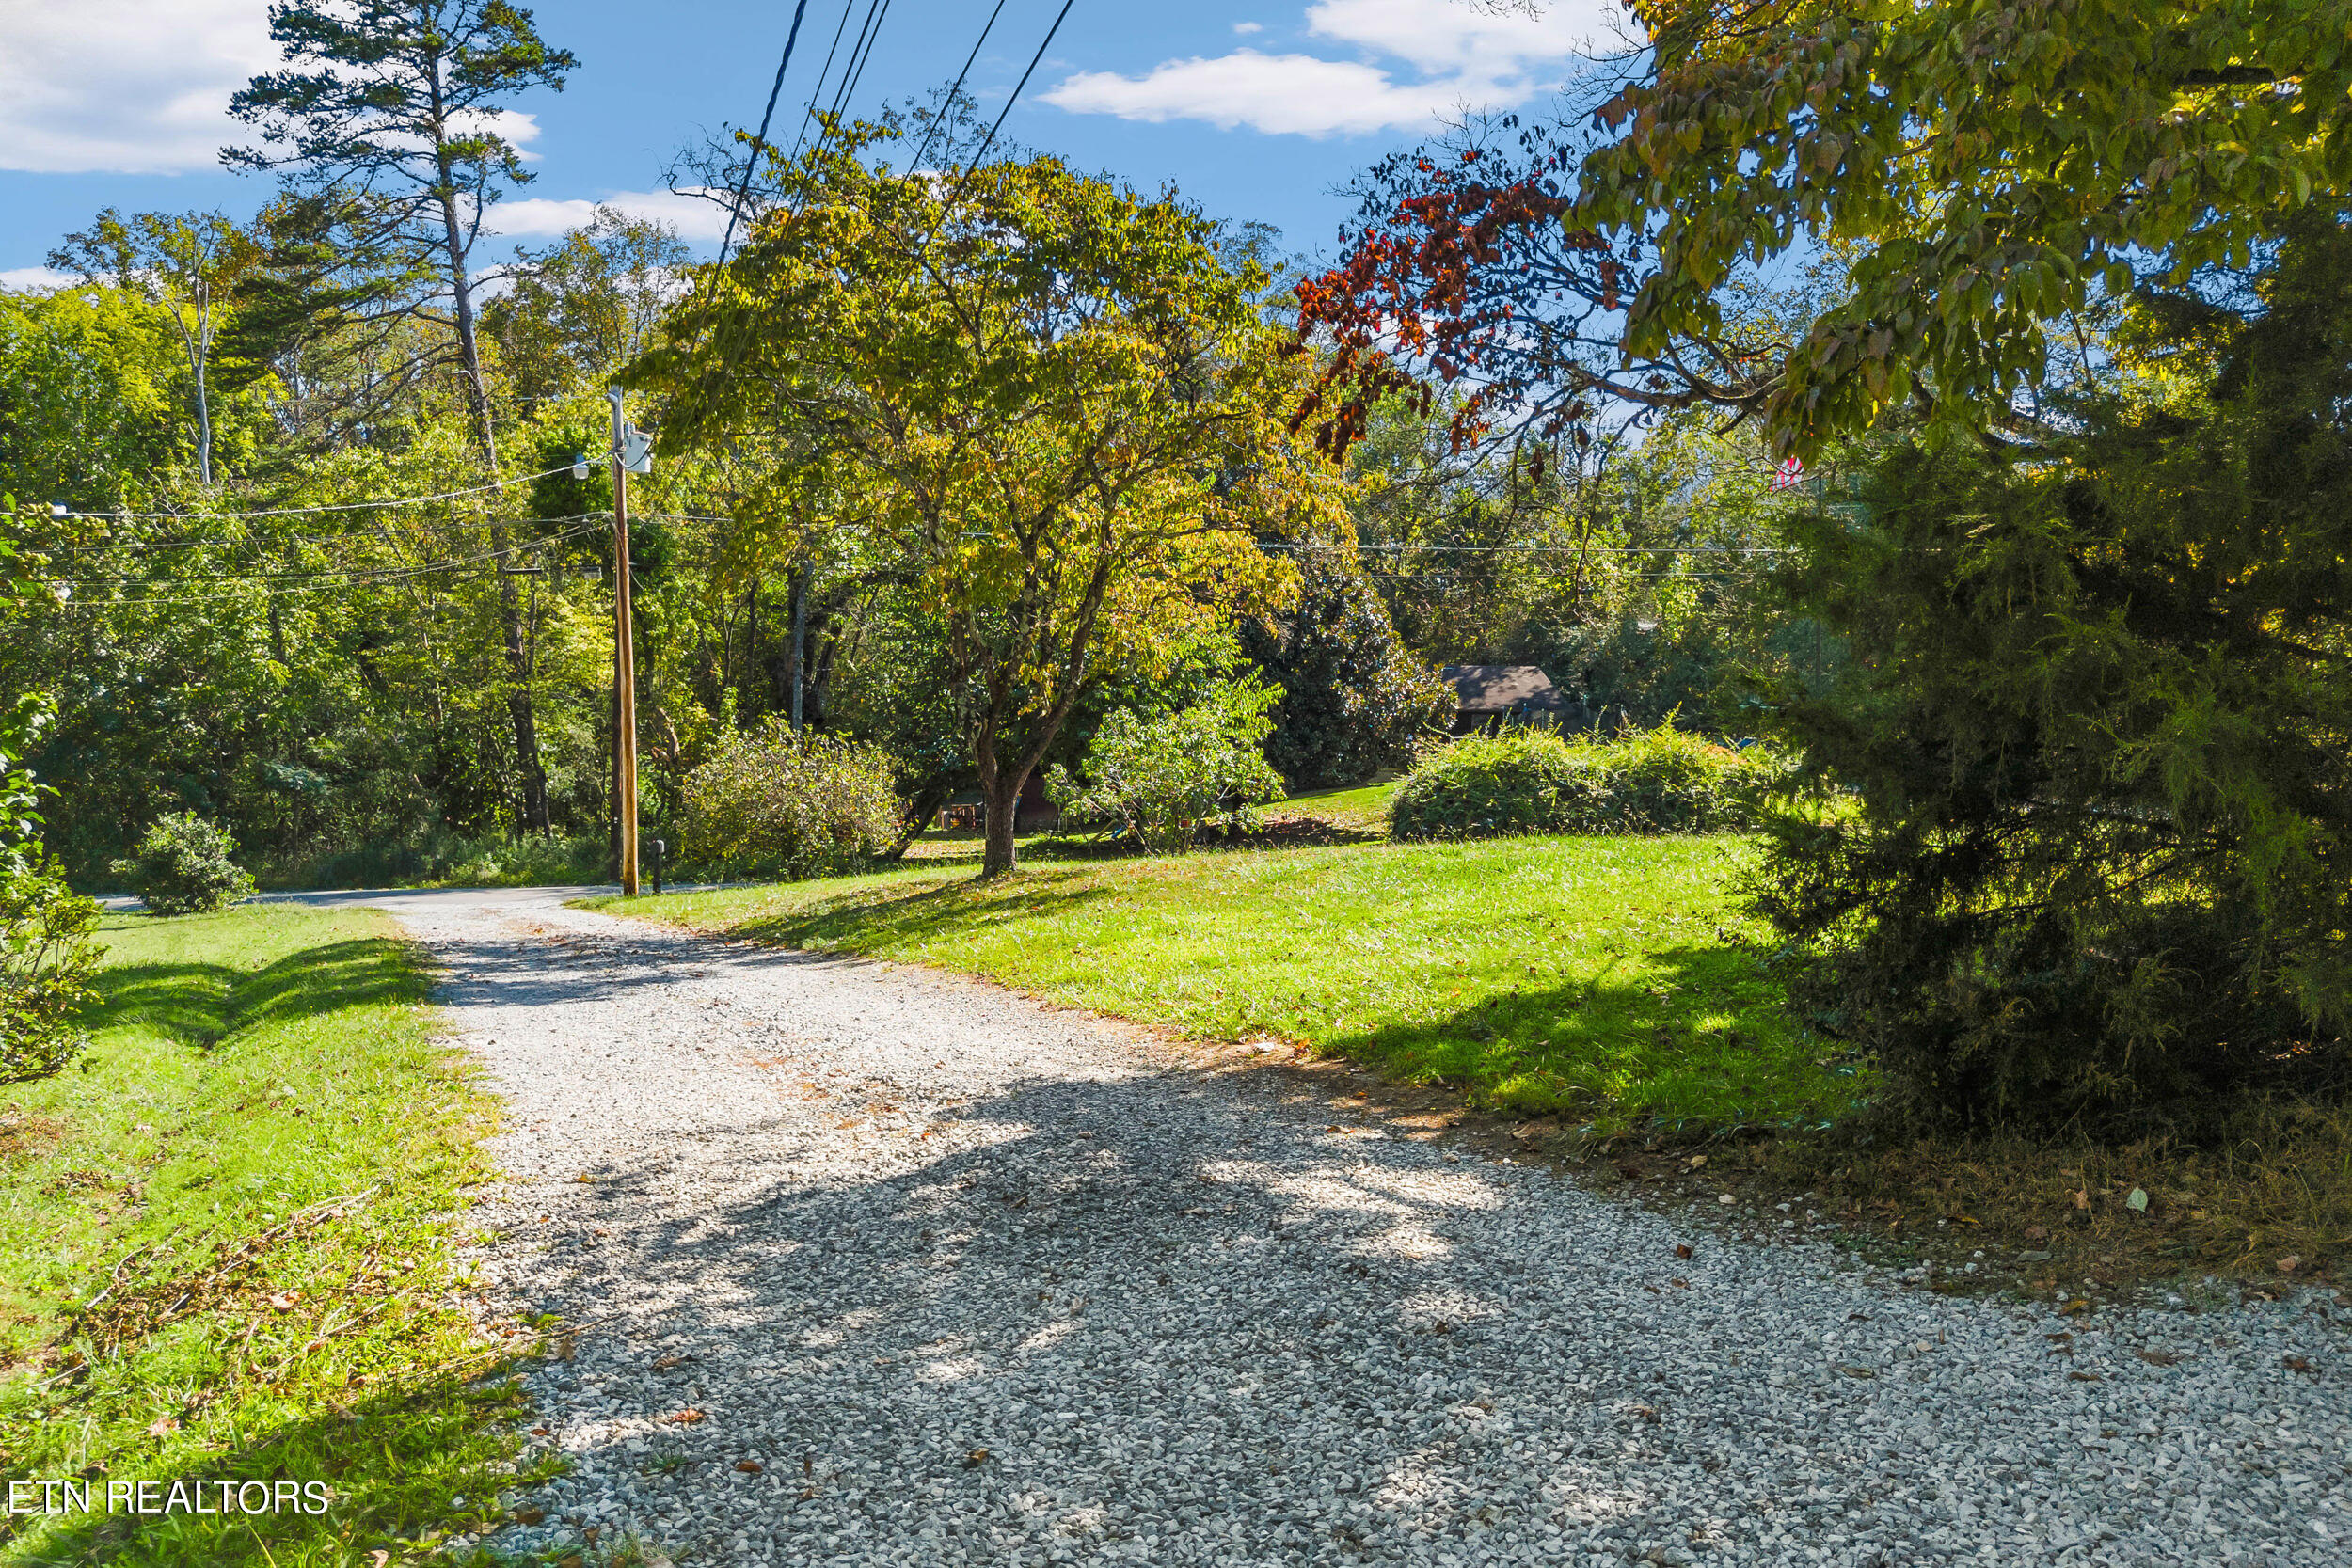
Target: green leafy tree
[584,307]
[187,265]
[1989,169]
[1353,698]
[388,117]
[1063,407]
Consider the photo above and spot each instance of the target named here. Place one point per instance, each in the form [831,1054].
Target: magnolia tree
[1060,407]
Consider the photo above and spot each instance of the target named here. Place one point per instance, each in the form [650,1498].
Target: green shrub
[1161,778]
[182,866]
[780,804]
[1532,781]
[46,960]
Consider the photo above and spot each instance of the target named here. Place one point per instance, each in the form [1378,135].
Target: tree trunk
[1002,797]
[800,642]
[531,815]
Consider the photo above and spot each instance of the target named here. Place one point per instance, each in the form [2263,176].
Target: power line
[312,582]
[340,506]
[986,28]
[191,541]
[750,164]
[1042,48]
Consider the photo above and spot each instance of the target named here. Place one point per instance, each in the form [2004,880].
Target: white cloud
[32,279]
[139,87]
[1415,61]
[696,217]
[1247,28]
[125,87]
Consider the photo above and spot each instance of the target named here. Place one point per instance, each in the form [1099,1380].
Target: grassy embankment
[1610,981]
[224,1252]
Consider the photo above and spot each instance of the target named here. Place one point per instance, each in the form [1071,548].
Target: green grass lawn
[247,1068]
[1611,980]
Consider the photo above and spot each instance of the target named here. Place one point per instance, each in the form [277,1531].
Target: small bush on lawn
[47,962]
[1158,779]
[1527,780]
[777,804]
[184,866]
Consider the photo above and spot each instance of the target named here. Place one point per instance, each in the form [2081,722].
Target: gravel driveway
[951,1278]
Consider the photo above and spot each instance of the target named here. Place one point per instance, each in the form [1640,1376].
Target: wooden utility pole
[624,663]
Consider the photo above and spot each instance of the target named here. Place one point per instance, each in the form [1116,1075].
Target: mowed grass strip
[1610,979]
[246,1069]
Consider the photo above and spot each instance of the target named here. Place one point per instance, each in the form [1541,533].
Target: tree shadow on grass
[871,918]
[1698,1041]
[389,1463]
[202,1003]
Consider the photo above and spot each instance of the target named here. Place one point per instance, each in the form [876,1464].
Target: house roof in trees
[1500,689]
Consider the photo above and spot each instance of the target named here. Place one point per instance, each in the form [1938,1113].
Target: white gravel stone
[978,1281]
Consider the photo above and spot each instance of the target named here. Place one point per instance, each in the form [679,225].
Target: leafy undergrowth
[1607,979]
[224,1255]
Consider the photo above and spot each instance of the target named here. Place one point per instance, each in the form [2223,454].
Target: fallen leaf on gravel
[1679,1284]
[2295,1363]
[977,1458]
[685,1417]
[2158,1357]
[663,1363]
[529,1515]
[2082,1377]
[2074,1308]
[749,1467]
[1859,1372]
[588,1179]
[164,1427]
[539,1432]
[1682,1250]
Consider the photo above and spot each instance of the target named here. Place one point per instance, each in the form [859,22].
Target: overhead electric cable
[322,580]
[986,27]
[1042,48]
[809,113]
[338,506]
[750,164]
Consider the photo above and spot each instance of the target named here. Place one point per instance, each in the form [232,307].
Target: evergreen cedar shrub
[183,866]
[2098,716]
[1354,700]
[46,960]
[776,803]
[1536,780]
[1159,779]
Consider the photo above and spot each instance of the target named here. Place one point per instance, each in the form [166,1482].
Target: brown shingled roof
[1501,688]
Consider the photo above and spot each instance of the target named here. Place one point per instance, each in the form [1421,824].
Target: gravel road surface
[897,1268]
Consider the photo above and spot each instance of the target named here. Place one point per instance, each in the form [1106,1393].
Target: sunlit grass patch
[224,1251]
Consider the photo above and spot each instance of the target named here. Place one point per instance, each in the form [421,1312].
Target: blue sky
[1255,110]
